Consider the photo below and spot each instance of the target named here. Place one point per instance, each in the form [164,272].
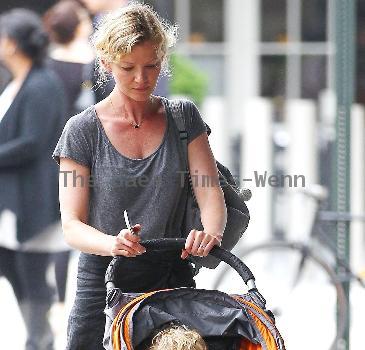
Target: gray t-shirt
[151,189]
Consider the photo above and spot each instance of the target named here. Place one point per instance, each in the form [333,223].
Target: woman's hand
[126,243]
[200,243]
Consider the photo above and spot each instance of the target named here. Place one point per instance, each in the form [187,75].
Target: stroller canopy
[211,313]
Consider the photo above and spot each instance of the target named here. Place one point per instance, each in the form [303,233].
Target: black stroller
[235,322]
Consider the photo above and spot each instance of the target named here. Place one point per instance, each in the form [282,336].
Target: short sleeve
[76,140]
[195,125]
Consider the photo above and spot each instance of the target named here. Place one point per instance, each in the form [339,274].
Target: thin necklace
[133,123]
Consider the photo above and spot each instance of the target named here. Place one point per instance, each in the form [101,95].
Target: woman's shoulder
[187,117]
[64,66]
[42,81]
[83,121]
[178,102]
[183,107]
[41,76]
[77,140]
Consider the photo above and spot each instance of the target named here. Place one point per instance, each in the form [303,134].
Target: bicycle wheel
[304,304]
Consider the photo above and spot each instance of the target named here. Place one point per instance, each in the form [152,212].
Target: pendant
[136,126]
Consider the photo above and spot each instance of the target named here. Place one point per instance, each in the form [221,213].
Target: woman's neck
[131,109]
[20,67]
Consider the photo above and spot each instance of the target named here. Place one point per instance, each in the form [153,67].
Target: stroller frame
[249,324]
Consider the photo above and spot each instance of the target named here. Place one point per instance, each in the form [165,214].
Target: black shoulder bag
[237,212]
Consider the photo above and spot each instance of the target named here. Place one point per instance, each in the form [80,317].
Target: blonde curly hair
[128,26]
[178,338]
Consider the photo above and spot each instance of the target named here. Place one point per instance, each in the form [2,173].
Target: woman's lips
[141,88]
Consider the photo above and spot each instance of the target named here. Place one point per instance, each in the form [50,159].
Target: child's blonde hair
[178,338]
[128,26]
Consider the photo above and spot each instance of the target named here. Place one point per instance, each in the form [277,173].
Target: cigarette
[126,219]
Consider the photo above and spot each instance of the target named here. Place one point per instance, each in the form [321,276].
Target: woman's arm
[74,205]
[209,195]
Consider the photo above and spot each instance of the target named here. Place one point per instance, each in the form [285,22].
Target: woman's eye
[152,66]
[127,68]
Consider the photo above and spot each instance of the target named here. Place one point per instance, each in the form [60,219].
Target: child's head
[178,338]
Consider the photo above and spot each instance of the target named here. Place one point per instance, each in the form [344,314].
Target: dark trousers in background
[26,273]
[62,261]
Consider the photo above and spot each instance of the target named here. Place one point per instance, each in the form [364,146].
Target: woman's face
[136,73]
[7,49]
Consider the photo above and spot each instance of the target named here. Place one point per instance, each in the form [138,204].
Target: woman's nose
[140,76]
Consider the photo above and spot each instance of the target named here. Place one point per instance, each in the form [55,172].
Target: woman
[71,56]
[32,113]
[125,153]
[72,59]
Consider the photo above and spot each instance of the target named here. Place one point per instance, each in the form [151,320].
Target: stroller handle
[175,244]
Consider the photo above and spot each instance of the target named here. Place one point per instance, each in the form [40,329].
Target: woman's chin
[141,96]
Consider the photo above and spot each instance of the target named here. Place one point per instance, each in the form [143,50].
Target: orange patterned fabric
[116,340]
[247,345]
[263,313]
[266,334]
[116,337]
[117,323]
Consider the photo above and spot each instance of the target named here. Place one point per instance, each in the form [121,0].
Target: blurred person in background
[32,111]
[71,56]
[4,77]
[98,8]
[69,27]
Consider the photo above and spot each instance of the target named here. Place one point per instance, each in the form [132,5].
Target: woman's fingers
[127,243]
[190,241]
[193,241]
[132,242]
[206,246]
[184,254]
[121,249]
[188,244]
[136,229]
[200,243]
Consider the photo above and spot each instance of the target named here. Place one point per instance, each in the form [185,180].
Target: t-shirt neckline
[106,138]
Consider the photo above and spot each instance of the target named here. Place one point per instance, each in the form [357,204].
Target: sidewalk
[12,334]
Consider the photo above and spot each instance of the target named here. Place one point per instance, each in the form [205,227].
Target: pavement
[308,324]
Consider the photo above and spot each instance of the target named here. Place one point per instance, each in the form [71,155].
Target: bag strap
[179,119]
